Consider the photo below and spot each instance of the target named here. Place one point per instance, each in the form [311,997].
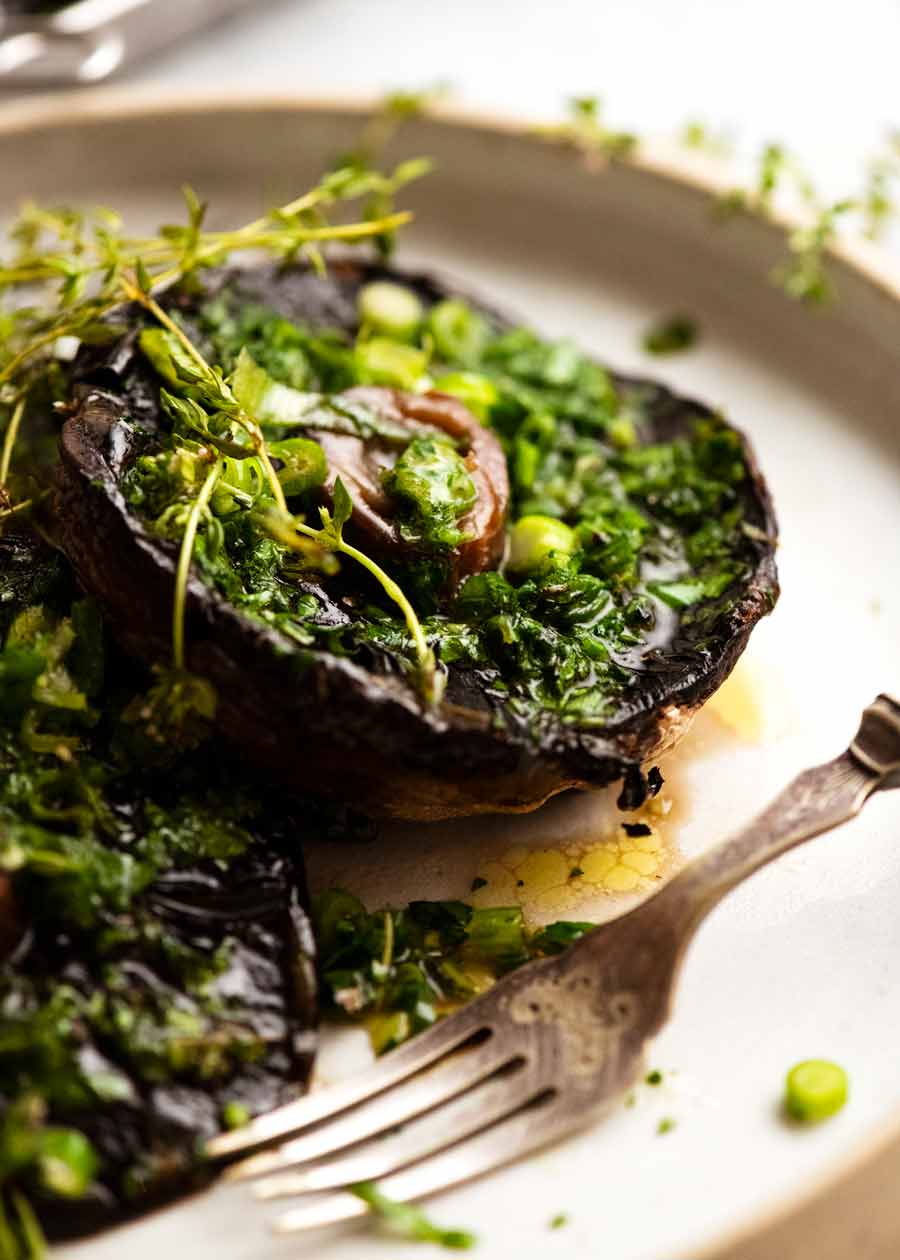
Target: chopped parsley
[400,970]
[654,527]
[127,1031]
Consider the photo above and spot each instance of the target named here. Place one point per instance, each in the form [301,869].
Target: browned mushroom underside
[324,724]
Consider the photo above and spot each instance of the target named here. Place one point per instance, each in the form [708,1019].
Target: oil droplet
[625,858]
[739,704]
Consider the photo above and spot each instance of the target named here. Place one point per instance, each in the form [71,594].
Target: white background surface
[817,74]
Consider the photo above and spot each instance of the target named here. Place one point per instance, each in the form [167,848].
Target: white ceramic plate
[804,960]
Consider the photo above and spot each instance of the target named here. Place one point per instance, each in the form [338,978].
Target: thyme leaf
[586,131]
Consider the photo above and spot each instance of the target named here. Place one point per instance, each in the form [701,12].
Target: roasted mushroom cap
[324,724]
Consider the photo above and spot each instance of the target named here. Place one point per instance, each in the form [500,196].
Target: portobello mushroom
[575,678]
[157,964]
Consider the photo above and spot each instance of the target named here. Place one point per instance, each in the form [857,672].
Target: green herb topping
[400,970]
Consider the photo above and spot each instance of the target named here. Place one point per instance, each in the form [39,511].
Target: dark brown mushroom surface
[11,925]
[333,726]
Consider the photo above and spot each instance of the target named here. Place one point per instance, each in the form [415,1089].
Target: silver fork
[545,1051]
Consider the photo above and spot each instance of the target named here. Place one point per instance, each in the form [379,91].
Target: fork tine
[421,1052]
[539,1124]
[414,1095]
[472,1111]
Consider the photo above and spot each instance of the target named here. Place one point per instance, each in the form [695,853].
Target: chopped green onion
[478,392]
[305,466]
[390,309]
[388,1031]
[235,1115]
[556,937]
[459,334]
[815,1090]
[381,361]
[497,937]
[241,482]
[67,1162]
[538,541]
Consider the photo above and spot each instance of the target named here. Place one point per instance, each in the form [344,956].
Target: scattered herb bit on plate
[409,1222]
[672,335]
[399,970]
[815,1090]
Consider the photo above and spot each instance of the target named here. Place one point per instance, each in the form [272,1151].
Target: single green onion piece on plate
[814,1090]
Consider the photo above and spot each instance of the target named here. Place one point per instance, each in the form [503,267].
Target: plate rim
[772,1229]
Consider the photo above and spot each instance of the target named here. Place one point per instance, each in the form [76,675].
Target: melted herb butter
[658,526]
[628,857]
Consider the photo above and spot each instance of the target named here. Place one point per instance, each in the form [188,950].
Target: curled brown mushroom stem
[361,465]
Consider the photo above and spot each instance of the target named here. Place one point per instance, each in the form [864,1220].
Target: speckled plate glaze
[805,959]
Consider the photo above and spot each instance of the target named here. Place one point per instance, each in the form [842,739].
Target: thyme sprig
[217,394]
[586,131]
[185,555]
[879,205]
[803,275]
[70,270]
[296,534]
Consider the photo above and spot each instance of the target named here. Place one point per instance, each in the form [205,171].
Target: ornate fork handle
[815,801]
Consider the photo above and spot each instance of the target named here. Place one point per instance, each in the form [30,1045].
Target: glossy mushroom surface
[323,723]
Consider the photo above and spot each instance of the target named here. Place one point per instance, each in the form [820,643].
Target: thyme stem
[424,654]
[185,556]
[387,954]
[247,423]
[19,360]
[9,1247]
[9,441]
[394,592]
[31,1231]
[17,507]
